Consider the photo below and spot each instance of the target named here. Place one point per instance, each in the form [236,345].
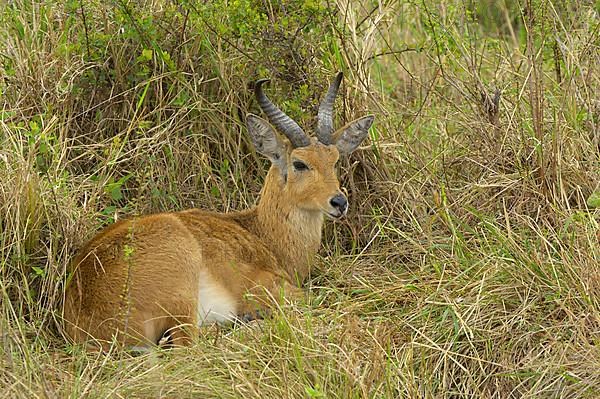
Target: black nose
[340,202]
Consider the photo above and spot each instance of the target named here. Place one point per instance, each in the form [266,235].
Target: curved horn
[280,120]
[325,115]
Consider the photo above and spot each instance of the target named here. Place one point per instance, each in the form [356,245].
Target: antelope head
[306,166]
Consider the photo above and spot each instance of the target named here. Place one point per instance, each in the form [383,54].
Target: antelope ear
[267,141]
[348,138]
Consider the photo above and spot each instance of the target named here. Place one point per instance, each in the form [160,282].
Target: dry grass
[469,265]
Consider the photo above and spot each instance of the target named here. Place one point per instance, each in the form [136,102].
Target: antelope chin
[336,215]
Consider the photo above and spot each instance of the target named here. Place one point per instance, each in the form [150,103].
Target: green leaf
[147,54]
[5,115]
[224,168]
[109,210]
[115,193]
[34,127]
[594,200]
[313,392]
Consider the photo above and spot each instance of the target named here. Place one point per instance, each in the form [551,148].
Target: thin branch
[85,29]
[392,52]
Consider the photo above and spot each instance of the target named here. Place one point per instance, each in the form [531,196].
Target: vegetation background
[469,265]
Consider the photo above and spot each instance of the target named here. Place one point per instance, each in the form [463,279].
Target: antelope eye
[299,166]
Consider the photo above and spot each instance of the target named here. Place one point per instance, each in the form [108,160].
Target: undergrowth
[469,264]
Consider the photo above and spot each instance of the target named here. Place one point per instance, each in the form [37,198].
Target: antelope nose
[339,202]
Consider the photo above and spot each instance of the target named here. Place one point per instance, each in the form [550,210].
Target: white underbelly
[215,303]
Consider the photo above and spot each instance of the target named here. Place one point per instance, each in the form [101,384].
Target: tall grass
[469,263]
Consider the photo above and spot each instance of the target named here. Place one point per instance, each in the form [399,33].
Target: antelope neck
[293,234]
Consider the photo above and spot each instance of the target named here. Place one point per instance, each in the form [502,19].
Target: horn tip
[258,91]
[261,81]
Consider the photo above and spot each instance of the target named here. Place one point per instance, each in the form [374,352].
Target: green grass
[469,265]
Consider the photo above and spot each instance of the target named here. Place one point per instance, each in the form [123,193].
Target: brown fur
[139,278]
[143,279]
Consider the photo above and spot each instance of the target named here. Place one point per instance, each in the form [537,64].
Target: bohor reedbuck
[157,278]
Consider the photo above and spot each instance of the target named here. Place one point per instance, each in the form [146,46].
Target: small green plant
[593,200]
